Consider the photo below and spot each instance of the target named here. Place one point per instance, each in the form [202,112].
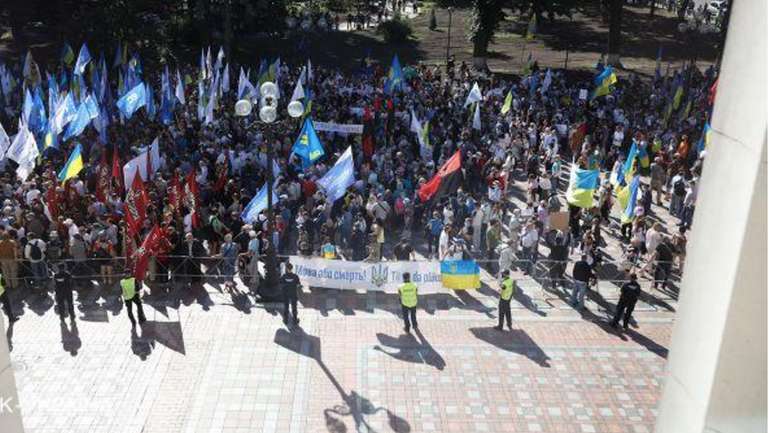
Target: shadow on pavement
[354,405]
[516,341]
[407,348]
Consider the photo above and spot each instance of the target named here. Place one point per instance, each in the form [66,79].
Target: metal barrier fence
[169,268]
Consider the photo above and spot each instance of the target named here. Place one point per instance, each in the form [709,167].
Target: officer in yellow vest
[408,294]
[130,288]
[506,293]
[6,301]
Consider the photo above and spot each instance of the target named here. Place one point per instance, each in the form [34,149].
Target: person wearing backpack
[679,190]
[34,252]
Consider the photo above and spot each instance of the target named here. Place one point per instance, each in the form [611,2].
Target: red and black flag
[367,138]
[446,181]
[103,179]
[192,198]
[175,193]
[148,248]
[136,206]
[222,173]
[117,169]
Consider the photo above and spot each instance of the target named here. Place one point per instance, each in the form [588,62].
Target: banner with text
[342,128]
[376,276]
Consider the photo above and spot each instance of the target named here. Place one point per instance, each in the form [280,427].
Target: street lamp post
[268,289]
[448,38]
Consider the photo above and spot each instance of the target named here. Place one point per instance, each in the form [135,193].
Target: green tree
[485,19]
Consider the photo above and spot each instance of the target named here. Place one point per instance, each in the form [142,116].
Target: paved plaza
[210,361]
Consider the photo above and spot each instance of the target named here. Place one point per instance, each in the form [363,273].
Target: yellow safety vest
[2,288]
[408,294]
[129,288]
[507,291]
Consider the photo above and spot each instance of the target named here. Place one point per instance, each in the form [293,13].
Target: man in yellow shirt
[130,288]
[408,294]
[506,293]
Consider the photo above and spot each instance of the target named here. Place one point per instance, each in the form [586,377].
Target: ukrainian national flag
[74,164]
[627,200]
[507,103]
[604,82]
[705,138]
[460,274]
[532,27]
[582,184]
[644,157]
[629,168]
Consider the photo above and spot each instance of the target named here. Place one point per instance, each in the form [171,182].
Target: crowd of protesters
[524,154]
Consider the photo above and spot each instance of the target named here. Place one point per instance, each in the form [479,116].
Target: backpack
[34,251]
[679,187]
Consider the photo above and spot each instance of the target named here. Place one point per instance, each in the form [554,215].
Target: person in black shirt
[582,275]
[290,285]
[403,250]
[629,294]
[63,281]
[663,259]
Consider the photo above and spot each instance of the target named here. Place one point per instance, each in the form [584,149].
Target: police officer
[408,294]
[629,294]
[130,288]
[290,286]
[6,301]
[506,293]
[63,283]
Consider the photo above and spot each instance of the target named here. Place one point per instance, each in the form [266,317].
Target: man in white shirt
[617,137]
[443,242]
[529,238]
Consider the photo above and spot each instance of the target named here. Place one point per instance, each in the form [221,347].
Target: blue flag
[132,100]
[79,123]
[83,58]
[150,106]
[257,205]
[395,76]
[308,146]
[340,177]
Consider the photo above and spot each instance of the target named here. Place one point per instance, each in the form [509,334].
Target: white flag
[547,81]
[415,125]
[5,141]
[473,96]
[179,91]
[299,92]
[477,118]
[309,70]
[24,152]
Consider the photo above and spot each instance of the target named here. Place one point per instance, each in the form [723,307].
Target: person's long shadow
[526,300]
[70,337]
[516,341]
[408,349]
[9,335]
[141,346]
[354,405]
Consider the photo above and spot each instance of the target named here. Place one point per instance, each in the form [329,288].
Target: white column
[10,408]
[717,369]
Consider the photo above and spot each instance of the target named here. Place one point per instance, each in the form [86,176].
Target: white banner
[348,128]
[374,276]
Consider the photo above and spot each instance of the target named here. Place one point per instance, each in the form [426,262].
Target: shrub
[395,31]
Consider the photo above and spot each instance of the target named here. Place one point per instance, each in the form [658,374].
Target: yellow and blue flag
[627,200]
[705,138]
[74,164]
[308,147]
[629,168]
[460,274]
[582,184]
[67,55]
[604,82]
[678,93]
[507,103]
[395,76]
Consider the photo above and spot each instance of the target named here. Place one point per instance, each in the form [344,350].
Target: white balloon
[268,89]
[243,108]
[267,114]
[295,108]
